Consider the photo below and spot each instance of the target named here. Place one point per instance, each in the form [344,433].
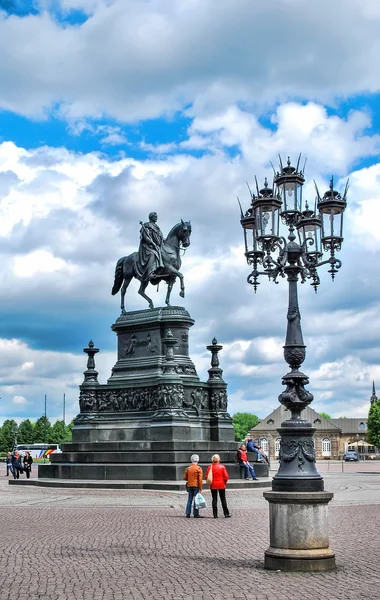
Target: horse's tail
[118,276]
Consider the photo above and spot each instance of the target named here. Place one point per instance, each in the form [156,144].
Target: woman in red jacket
[218,484]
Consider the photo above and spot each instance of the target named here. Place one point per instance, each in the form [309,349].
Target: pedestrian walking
[193,476]
[16,465]
[217,477]
[243,461]
[27,463]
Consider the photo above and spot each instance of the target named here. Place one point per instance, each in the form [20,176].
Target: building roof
[275,418]
[349,426]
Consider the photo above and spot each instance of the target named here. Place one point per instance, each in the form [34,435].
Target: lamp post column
[297,503]
[298,506]
[297,471]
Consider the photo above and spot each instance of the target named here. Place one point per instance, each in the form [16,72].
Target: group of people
[217,477]
[17,464]
[193,476]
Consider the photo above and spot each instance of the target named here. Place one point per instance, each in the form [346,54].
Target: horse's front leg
[182,283]
[170,287]
[141,291]
[175,274]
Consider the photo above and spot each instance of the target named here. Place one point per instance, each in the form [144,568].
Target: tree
[325,415]
[69,431]
[373,424]
[60,433]
[70,428]
[7,435]
[25,432]
[242,423]
[39,430]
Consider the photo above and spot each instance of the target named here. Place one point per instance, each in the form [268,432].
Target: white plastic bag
[200,501]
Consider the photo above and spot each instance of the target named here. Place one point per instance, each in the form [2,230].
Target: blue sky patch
[20,8]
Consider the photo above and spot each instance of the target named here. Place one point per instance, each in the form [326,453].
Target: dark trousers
[222,496]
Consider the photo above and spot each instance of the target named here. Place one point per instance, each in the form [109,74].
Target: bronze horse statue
[179,237]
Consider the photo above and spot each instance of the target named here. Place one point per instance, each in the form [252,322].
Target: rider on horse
[156,260]
[149,257]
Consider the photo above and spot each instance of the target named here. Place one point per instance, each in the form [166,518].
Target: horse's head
[179,235]
[185,233]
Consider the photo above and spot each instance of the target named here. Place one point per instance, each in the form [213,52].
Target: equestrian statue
[156,260]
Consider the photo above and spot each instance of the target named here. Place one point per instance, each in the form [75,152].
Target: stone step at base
[170,486]
[152,446]
[150,471]
[144,457]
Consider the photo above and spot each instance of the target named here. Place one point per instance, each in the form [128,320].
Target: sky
[111,109]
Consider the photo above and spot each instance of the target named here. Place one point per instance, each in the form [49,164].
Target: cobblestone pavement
[122,544]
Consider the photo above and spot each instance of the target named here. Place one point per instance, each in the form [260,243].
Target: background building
[327,435]
[333,437]
[352,437]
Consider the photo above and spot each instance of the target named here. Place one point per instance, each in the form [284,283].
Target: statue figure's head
[153,217]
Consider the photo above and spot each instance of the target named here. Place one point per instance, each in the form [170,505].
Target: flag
[48,452]
[41,453]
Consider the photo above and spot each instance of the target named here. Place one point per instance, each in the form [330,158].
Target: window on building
[317,421]
[326,447]
[270,422]
[265,446]
[362,426]
[277,447]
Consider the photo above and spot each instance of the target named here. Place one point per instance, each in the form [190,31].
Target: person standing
[193,476]
[27,462]
[244,462]
[218,485]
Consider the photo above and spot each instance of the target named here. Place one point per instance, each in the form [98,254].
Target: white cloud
[330,142]
[26,374]
[67,217]
[39,261]
[161,57]
[19,400]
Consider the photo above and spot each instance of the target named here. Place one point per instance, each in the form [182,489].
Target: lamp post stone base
[299,539]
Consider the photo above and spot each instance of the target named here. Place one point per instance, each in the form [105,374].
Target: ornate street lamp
[319,230]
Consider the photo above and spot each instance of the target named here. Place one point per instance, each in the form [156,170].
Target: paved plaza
[113,545]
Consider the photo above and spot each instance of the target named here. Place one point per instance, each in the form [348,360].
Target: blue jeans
[249,469]
[192,492]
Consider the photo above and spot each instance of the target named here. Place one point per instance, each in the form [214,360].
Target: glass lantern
[309,232]
[267,214]
[248,223]
[289,183]
[331,208]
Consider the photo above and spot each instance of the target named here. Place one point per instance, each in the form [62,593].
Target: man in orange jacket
[193,476]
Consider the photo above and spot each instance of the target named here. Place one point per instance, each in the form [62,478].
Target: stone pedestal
[154,412]
[299,539]
[141,350]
